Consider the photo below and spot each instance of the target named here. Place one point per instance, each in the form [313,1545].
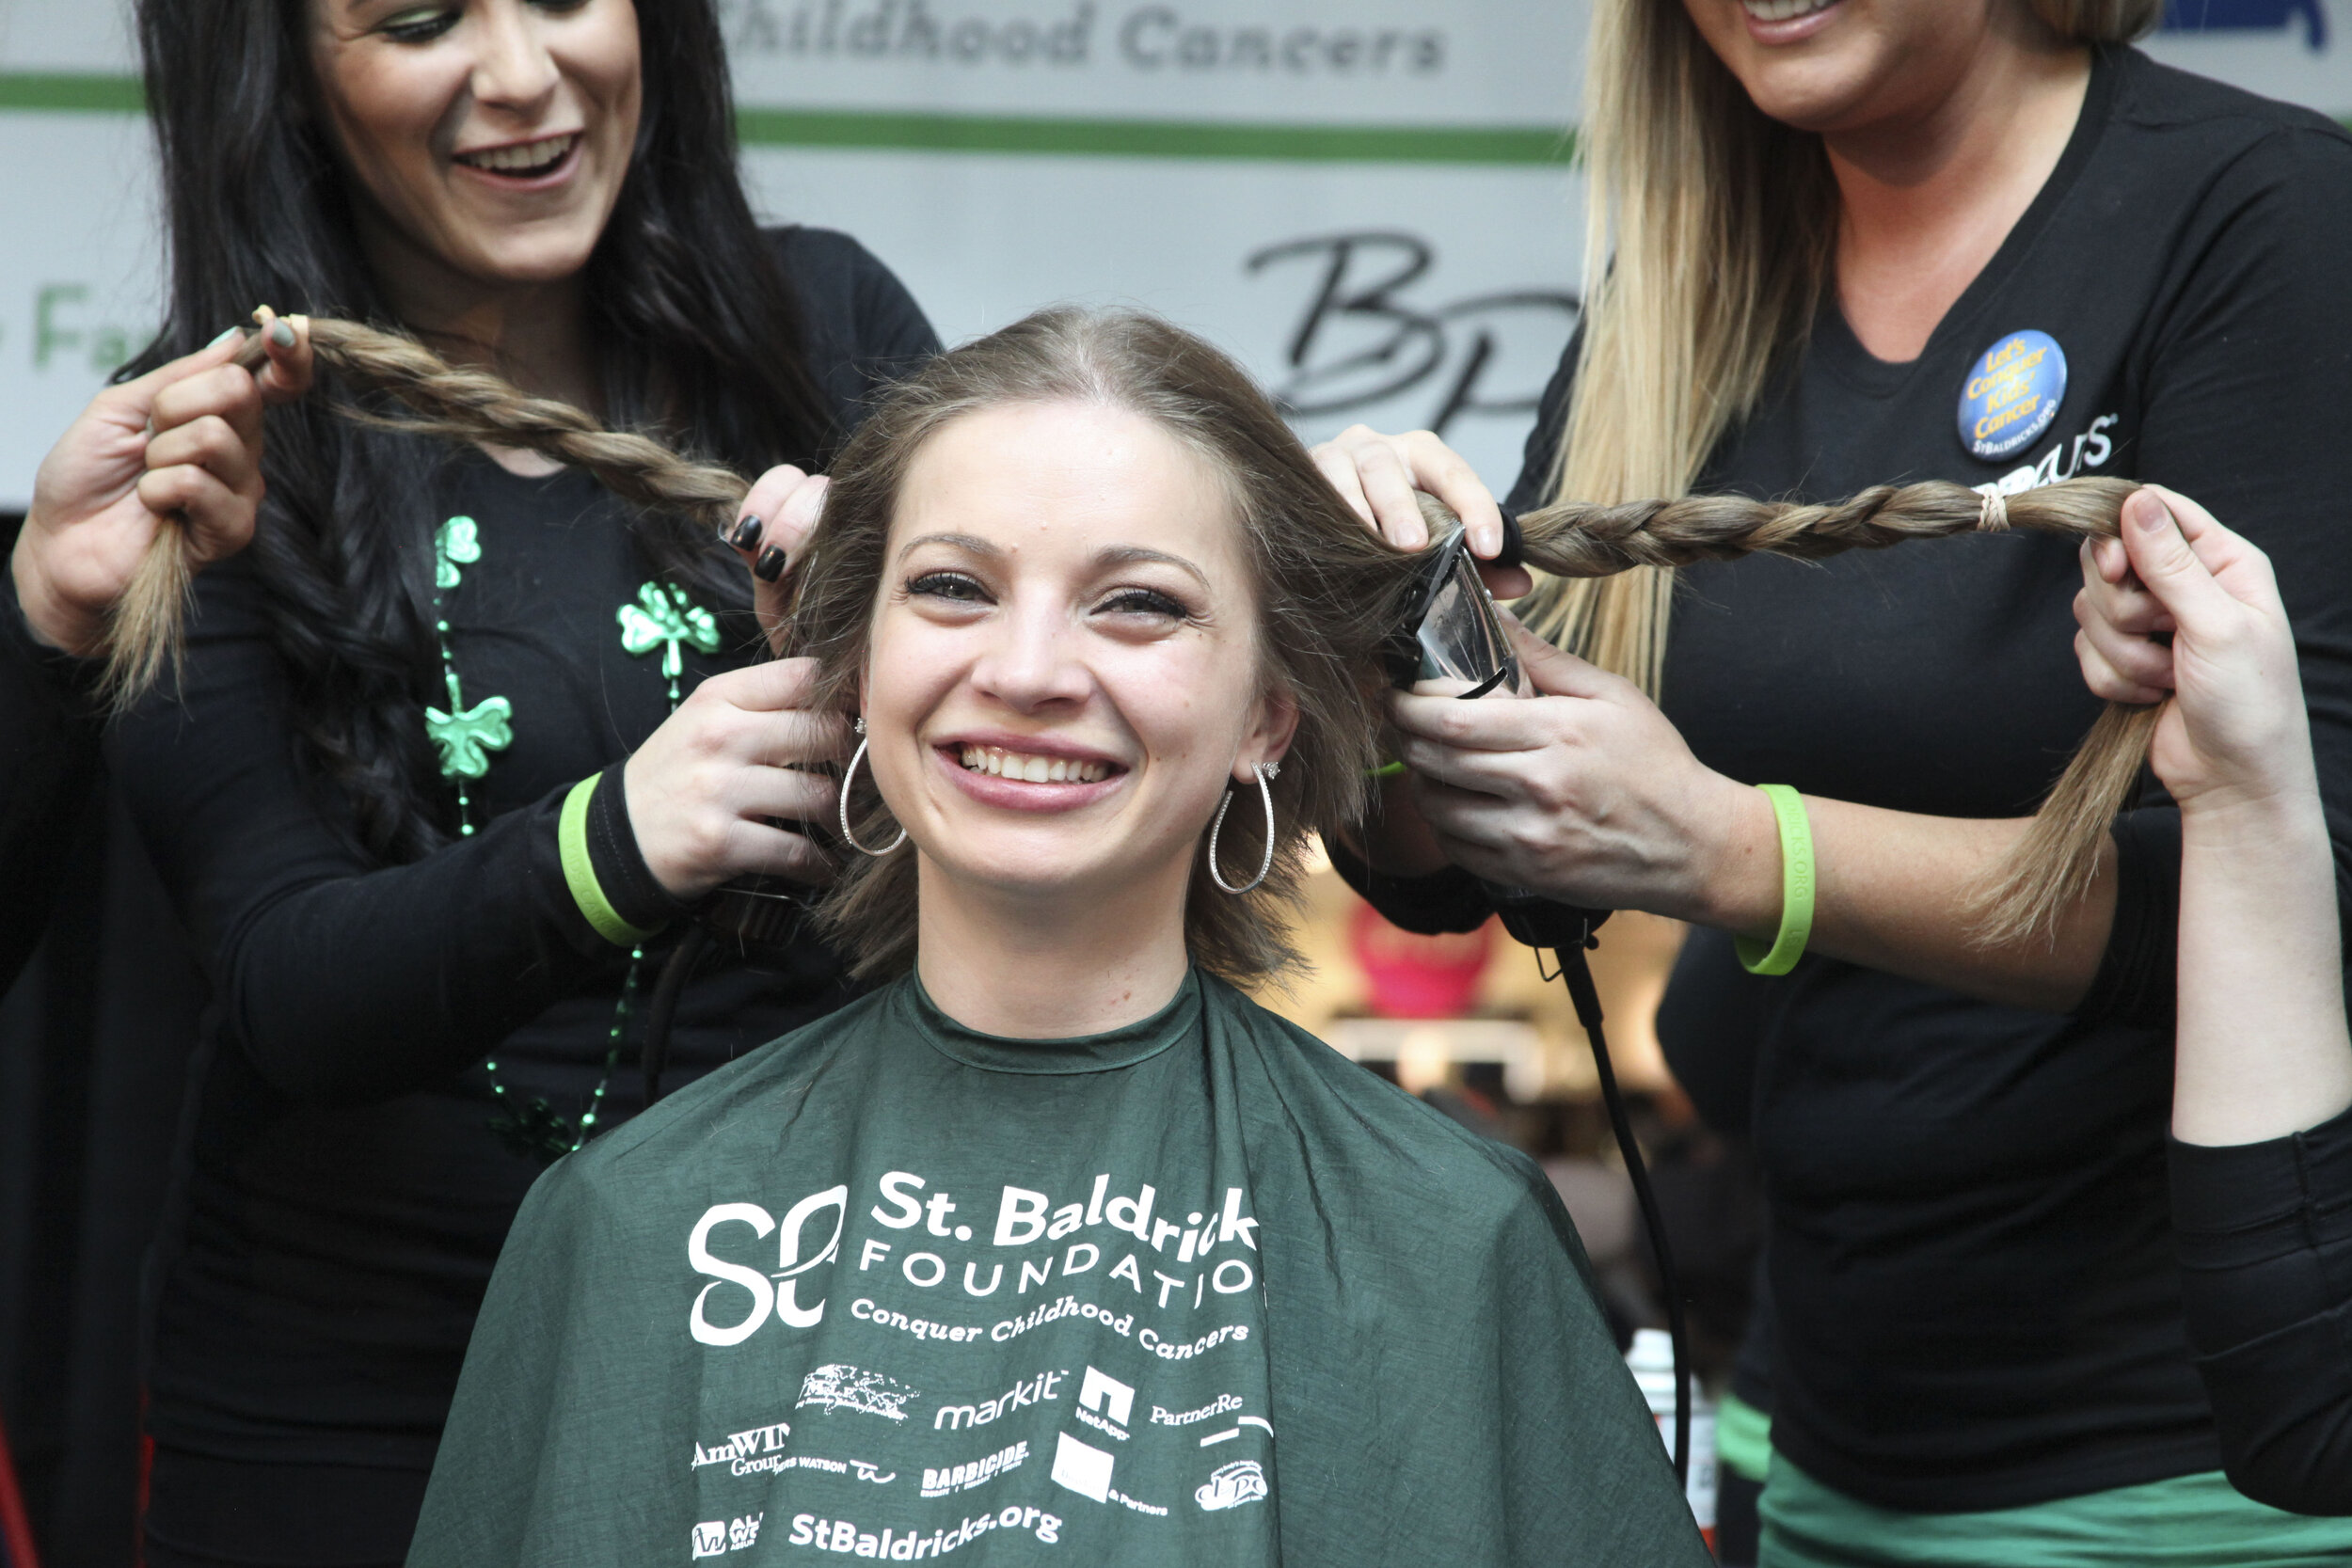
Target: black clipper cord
[1567,932]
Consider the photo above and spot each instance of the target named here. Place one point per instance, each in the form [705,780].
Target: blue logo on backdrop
[2249,16]
[2012,394]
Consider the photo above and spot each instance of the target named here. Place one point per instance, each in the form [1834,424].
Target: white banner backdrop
[1367,200]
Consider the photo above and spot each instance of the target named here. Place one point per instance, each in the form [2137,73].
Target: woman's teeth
[530,157]
[1034,770]
[1785,10]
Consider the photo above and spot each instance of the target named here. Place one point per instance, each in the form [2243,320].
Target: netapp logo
[1106,1404]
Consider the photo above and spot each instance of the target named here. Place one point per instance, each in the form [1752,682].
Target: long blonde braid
[2053,866]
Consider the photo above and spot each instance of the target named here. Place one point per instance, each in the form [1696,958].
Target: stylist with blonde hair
[1858,241]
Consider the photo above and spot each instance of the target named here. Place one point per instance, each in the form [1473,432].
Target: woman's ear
[1270,734]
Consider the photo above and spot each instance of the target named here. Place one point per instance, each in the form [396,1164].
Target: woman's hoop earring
[851,772]
[1266,772]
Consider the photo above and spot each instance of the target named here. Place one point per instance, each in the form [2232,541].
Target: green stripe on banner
[1157,138]
[92,93]
[86,92]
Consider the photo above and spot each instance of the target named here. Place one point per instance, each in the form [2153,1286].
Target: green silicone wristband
[580,871]
[1796,888]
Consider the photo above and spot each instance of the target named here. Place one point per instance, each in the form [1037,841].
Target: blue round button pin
[2012,394]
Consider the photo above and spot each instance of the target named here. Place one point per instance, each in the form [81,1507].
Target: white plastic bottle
[1652,1363]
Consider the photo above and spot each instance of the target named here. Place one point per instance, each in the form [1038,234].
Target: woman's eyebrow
[1128,555]
[971,542]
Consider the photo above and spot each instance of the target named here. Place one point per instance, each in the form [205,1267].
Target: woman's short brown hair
[1325,588]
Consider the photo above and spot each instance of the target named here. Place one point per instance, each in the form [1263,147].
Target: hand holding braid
[2054,865]
[442,399]
[2058,857]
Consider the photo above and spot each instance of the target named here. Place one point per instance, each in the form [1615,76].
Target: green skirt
[2196,1521]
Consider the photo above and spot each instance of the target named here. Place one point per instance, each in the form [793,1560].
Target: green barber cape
[1198,1291]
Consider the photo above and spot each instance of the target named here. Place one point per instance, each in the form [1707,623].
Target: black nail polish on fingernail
[746,534]
[769,566]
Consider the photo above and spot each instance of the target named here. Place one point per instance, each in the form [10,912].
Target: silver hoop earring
[1266,772]
[851,772]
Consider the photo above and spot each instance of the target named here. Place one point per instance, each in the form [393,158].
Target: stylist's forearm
[2262,1044]
[1899,892]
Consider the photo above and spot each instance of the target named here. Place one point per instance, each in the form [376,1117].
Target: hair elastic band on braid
[1994,516]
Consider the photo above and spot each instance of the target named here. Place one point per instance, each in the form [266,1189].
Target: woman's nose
[1030,662]
[512,68]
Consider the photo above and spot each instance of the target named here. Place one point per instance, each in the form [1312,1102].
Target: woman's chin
[511,250]
[1021,869]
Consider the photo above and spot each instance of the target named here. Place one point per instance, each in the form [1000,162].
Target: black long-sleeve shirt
[2266,1238]
[49,724]
[1976,1299]
[345,1197]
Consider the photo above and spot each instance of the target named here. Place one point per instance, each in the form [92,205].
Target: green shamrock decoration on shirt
[466,736]
[454,541]
[663,617]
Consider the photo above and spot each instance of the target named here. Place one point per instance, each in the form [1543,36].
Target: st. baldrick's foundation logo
[777,1291]
[1193,1255]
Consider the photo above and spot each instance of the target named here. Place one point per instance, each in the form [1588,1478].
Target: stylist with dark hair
[1862,242]
[460,737]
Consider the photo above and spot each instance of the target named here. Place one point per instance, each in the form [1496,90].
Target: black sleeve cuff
[1447,901]
[2140,971]
[2223,1192]
[619,865]
[2265,1233]
[65,682]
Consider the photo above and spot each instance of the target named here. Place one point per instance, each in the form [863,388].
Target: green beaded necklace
[661,617]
